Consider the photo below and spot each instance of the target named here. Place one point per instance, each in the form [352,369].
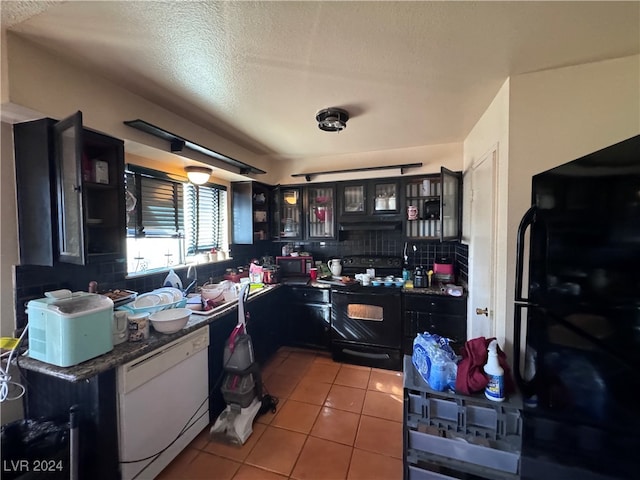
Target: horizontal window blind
[205,209]
[159,209]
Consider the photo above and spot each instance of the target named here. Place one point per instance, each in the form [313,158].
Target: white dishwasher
[158,395]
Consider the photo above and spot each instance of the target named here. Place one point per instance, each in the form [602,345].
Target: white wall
[556,116]
[8,231]
[47,84]
[538,121]
[10,410]
[4,71]
[491,131]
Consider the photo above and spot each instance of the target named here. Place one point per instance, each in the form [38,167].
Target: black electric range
[366,321]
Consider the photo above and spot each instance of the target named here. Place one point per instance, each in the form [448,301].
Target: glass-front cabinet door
[385,195]
[433,206]
[320,212]
[369,197]
[353,198]
[290,212]
[450,204]
[71,235]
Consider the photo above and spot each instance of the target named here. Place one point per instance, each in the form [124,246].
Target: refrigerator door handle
[517,339]
[527,220]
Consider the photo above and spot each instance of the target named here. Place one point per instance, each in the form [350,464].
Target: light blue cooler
[67,328]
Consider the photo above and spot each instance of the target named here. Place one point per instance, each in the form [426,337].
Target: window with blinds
[204,212]
[171,220]
[159,210]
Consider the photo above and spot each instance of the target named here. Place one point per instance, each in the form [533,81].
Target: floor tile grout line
[297,380]
[298,457]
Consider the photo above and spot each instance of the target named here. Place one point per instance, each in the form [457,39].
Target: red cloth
[471,377]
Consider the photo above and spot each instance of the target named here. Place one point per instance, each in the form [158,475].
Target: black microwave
[294,266]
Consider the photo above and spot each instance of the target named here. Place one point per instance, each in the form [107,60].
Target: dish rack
[180,302]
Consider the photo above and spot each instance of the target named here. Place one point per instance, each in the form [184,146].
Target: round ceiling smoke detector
[332,119]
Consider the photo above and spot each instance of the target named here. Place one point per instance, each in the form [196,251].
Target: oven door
[367,318]
[366,327]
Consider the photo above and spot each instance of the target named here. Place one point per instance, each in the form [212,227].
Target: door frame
[491,156]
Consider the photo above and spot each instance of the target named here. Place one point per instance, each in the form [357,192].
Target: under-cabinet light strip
[178,143]
[402,168]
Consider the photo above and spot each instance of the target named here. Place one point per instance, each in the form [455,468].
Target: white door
[482,254]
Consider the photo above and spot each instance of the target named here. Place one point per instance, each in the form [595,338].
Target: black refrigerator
[577,318]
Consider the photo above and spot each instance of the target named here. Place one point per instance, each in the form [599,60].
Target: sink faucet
[192,278]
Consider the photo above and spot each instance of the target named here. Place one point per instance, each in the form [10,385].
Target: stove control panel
[364,261]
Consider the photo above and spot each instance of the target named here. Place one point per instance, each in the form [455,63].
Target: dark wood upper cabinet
[320,212]
[369,198]
[78,215]
[287,209]
[436,201]
[251,212]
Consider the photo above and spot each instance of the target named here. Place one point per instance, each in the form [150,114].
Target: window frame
[181,186]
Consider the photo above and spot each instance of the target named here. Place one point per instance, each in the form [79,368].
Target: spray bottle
[495,388]
[172,280]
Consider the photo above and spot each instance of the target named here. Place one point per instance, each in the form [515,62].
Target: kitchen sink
[254,290]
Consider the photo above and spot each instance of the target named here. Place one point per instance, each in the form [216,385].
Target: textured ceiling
[410,73]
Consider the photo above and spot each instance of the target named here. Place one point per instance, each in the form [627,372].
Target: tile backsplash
[33,281]
[368,243]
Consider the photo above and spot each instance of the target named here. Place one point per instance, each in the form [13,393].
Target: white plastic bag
[435,360]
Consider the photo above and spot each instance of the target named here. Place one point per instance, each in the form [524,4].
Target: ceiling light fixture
[198,175]
[332,119]
[291,197]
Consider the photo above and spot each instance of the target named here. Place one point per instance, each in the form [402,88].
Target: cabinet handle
[482,311]
[76,188]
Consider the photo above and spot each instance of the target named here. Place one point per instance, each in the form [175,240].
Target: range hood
[371,225]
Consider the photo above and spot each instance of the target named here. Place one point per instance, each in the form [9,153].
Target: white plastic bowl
[176,293]
[147,300]
[215,293]
[170,321]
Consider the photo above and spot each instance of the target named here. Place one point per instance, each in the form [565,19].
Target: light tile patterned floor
[334,421]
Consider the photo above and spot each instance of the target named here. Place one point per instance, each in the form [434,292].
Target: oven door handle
[381,356]
[385,292]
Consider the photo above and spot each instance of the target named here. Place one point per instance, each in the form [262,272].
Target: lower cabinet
[442,315]
[219,331]
[449,436]
[49,399]
[308,316]
[265,325]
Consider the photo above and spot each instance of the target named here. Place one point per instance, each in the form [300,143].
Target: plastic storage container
[461,433]
[238,389]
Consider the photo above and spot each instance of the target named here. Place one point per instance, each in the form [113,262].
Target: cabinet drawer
[436,304]
[453,327]
[310,295]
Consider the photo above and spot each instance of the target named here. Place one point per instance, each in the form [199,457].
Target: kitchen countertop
[431,291]
[128,351]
